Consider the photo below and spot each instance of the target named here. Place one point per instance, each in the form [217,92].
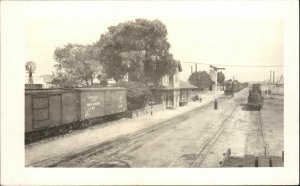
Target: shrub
[138,94]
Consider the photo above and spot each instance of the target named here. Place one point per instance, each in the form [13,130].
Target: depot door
[170,99]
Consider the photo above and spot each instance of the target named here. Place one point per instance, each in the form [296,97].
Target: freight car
[255,98]
[55,111]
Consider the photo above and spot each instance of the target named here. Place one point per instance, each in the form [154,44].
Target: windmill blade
[30,66]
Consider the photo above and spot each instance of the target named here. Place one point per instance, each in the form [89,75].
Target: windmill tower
[30,68]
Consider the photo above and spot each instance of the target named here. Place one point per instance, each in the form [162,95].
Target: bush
[138,94]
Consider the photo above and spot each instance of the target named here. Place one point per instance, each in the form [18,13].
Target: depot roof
[186,85]
[182,85]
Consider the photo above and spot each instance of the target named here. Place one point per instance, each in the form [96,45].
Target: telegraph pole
[273,77]
[232,86]
[216,82]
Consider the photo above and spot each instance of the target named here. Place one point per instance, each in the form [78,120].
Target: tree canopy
[138,48]
[75,65]
[220,78]
[201,79]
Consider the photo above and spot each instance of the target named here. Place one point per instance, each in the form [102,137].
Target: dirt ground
[272,118]
[246,135]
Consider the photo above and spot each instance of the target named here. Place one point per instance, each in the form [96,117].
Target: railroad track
[255,118]
[265,145]
[207,146]
[205,149]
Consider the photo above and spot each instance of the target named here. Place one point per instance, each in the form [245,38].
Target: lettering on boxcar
[93,104]
[92,101]
[93,98]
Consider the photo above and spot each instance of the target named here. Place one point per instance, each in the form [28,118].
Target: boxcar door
[55,110]
[108,103]
[70,107]
[47,111]
[41,115]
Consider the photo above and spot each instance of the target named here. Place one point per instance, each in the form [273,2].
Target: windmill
[30,68]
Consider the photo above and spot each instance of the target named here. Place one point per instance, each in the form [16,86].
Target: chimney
[273,77]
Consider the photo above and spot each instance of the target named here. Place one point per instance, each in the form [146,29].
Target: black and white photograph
[192,87]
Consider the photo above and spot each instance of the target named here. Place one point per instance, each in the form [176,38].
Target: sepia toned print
[151,92]
[127,99]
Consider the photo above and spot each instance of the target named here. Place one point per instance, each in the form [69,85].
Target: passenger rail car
[58,110]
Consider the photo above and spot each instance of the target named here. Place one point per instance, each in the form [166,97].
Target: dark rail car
[255,98]
[235,86]
[58,110]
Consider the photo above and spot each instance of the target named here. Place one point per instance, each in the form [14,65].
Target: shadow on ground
[112,164]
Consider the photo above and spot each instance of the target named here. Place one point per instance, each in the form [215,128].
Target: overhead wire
[255,66]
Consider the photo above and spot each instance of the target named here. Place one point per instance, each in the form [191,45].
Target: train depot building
[173,92]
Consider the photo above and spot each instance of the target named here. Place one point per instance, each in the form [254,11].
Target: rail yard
[149,93]
[199,137]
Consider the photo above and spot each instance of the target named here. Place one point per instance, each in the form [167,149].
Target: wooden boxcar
[48,111]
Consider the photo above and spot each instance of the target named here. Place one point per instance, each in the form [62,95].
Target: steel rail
[212,141]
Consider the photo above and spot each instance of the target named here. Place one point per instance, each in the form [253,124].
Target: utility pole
[216,82]
[277,86]
[232,86]
[273,77]
[270,82]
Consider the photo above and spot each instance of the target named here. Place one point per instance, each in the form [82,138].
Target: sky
[223,34]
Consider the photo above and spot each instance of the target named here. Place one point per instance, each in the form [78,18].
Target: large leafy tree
[138,48]
[221,78]
[201,79]
[64,79]
[76,65]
